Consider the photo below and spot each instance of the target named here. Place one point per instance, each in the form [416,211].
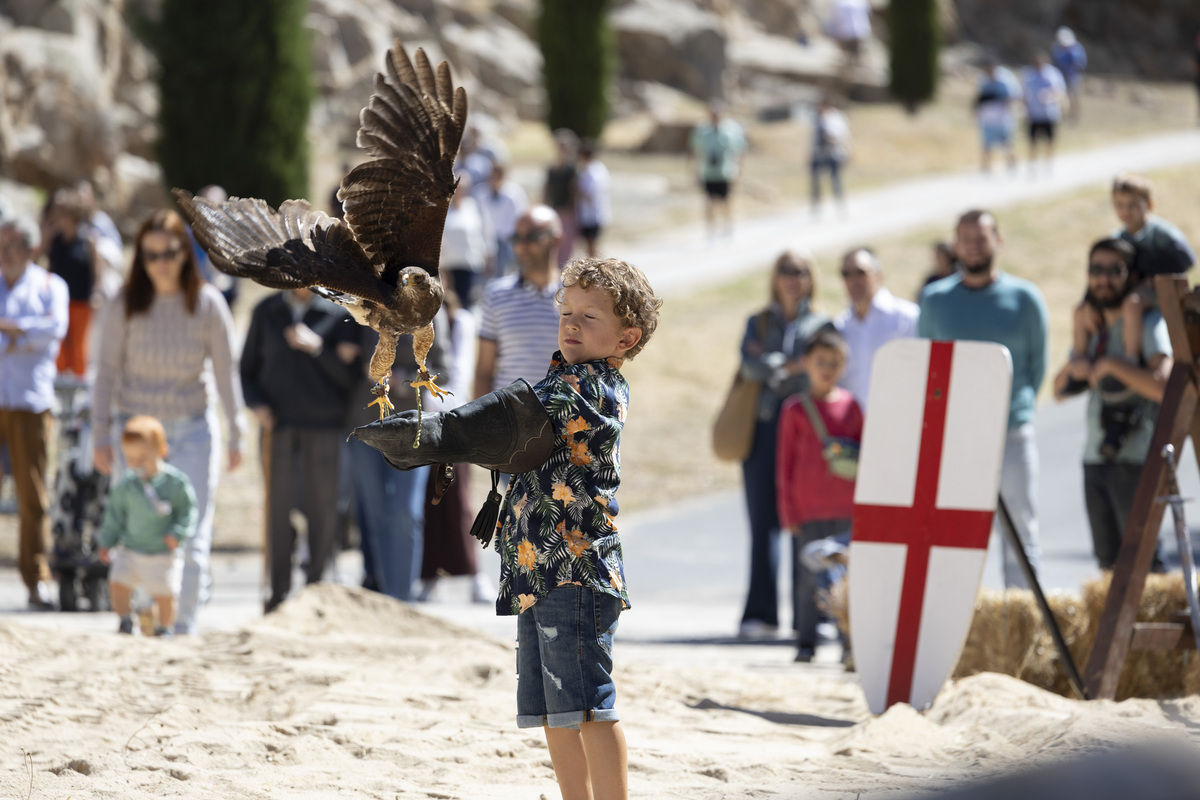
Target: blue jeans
[564,659]
[1018,485]
[758,479]
[833,167]
[194,451]
[390,509]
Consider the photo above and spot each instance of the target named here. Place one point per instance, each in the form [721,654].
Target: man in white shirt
[849,24]
[874,318]
[33,321]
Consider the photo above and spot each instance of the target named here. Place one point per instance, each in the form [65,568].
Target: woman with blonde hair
[772,349]
[166,350]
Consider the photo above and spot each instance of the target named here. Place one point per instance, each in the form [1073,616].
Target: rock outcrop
[77,99]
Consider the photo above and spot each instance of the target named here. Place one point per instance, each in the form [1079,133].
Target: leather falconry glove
[507,431]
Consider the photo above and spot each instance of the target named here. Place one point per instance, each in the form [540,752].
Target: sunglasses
[1101,271]
[794,272]
[150,256]
[529,238]
[847,274]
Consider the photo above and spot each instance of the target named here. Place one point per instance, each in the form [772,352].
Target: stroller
[77,507]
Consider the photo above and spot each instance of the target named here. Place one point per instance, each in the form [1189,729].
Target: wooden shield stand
[1119,631]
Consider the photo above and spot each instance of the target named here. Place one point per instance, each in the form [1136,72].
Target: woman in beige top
[166,349]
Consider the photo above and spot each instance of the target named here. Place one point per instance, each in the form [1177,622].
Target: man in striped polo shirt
[518,329]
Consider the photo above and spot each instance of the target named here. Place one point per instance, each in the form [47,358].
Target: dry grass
[889,145]
[680,380]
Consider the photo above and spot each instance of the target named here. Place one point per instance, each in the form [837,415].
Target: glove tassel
[485,523]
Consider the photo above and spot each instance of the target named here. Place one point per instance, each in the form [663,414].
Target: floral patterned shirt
[558,527]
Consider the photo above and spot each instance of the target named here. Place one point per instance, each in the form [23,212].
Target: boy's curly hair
[634,302]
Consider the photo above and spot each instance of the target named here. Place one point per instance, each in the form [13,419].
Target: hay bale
[1008,636]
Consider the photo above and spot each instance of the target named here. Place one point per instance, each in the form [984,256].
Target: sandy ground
[349,693]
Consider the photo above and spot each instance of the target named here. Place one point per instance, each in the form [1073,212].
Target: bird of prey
[382,262]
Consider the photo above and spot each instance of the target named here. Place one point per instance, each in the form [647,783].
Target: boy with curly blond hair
[561,570]
[560,551]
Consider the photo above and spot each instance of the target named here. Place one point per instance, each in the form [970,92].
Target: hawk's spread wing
[291,248]
[396,204]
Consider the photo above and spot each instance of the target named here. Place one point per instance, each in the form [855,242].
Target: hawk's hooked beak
[404,281]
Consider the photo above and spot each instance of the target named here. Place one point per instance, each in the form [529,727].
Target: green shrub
[235,84]
[915,38]
[579,55]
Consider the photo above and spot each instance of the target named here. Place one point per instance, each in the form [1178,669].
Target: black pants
[304,476]
[1108,491]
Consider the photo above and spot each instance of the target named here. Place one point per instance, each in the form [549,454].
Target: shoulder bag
[841,455]
[733,429]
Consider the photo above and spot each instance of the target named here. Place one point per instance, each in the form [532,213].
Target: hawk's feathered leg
[422,341]
[380,371]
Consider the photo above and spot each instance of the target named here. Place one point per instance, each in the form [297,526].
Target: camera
[1117,421]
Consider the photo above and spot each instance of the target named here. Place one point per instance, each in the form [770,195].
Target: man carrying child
[150,511]
[1159,248]
[1126,390]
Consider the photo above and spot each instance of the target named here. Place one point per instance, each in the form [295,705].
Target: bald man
[518,328]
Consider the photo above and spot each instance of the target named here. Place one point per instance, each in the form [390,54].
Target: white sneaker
[482,590]
[756,629]
[41,598]
[427,586]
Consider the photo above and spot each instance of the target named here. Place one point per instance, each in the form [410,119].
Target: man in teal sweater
[981,303]
[150,511]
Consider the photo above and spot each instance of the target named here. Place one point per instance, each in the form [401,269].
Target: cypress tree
[915,38]
[579,59]
[235,85]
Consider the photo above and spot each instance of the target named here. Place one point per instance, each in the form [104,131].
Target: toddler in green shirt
[150,511]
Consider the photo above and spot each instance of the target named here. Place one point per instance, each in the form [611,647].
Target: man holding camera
[1126,390]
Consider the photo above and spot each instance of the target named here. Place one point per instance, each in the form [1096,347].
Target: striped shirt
[523,322]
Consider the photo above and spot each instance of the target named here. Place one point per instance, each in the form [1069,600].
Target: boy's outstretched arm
[507,430]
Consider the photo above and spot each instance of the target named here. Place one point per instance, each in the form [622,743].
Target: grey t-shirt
[1137,445]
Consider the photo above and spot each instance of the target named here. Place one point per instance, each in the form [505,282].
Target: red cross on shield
[928,478]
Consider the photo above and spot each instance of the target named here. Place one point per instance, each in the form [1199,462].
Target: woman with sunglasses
[772,349]
[165,344]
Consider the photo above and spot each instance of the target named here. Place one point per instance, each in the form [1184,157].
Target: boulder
[136,191]
[499,55]
[818,63]
[519,13]
[672,42]
[667,137]
[780,17]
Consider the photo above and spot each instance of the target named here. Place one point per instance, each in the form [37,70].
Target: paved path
[687,563]
[676,260]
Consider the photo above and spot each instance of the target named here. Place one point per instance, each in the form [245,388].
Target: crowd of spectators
[1121,356]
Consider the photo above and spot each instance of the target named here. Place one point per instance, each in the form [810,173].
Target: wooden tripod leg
[1175,421]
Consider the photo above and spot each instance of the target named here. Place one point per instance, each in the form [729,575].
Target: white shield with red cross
[928,479]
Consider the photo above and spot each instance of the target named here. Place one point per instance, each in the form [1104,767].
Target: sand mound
[323,609]
[345,692]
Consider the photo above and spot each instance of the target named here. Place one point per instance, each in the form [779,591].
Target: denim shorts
[564,659]
[996,135]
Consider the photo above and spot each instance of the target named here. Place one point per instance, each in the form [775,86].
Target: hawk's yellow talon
[385,405]
[427,380]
